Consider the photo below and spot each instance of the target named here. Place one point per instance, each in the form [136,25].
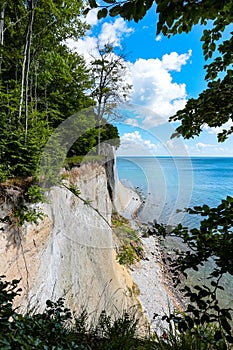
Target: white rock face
[70,253]
[73,257]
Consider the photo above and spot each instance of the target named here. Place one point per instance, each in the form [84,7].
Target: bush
[57,329]
[127,255]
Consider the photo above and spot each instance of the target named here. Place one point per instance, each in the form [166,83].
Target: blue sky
[164,74]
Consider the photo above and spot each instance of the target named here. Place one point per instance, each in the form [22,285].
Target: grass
[77,160]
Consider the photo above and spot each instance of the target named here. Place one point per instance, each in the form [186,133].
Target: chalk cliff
[70,253]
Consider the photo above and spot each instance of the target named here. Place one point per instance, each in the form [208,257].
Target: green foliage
[85,143]
[213,106]
[74,189]
[110,134]
[56,328]
[127,255]
[33,194]
[212,240]
[202,339]
[123,229]
[110,88]
[4,172]
[39,87]
[78,160]
[129,10]
[118,220]
[87,201]
[22,206]
[88,141]
[131,249]
[25,214]
[8,291]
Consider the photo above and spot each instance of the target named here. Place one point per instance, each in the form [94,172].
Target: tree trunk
[25,67]
[2,18]
[28,68]
[23,75]
[98,126]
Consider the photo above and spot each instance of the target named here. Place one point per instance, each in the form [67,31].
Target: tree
[2,17]
[214,106]
[89,139]
[110,87]
[39,87]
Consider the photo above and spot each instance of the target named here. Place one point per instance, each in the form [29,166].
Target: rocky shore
[157,293]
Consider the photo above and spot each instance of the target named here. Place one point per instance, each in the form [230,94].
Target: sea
[169,185]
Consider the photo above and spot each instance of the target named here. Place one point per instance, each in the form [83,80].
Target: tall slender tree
[2,17]
[110,84]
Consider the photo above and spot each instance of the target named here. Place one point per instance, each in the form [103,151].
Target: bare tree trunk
[25,67]
[98,126]
[23,75]
[2,18]
[28,68]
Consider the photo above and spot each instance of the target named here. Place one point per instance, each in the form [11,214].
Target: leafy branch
[212,240]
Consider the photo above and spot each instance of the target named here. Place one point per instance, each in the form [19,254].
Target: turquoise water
[171,184]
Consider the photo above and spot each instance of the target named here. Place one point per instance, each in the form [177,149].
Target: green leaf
[217,335]
[114,11]
[225,324]
[93,4]
[102,13]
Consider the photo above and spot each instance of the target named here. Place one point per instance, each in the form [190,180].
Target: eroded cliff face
[70,253]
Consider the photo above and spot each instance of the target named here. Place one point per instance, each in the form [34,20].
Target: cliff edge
[70,253]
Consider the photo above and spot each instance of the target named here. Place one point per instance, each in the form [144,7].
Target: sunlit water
[172,184]
[169,185]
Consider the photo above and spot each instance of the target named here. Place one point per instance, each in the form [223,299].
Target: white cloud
[131,121]
[134,143]
[209,148]
[131,137]
[154,88]
[158,38]
[173,61]
[113,32]
[151,79]
[91,17]
[86,47]
[170,144]
[137,143]
[200,146]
